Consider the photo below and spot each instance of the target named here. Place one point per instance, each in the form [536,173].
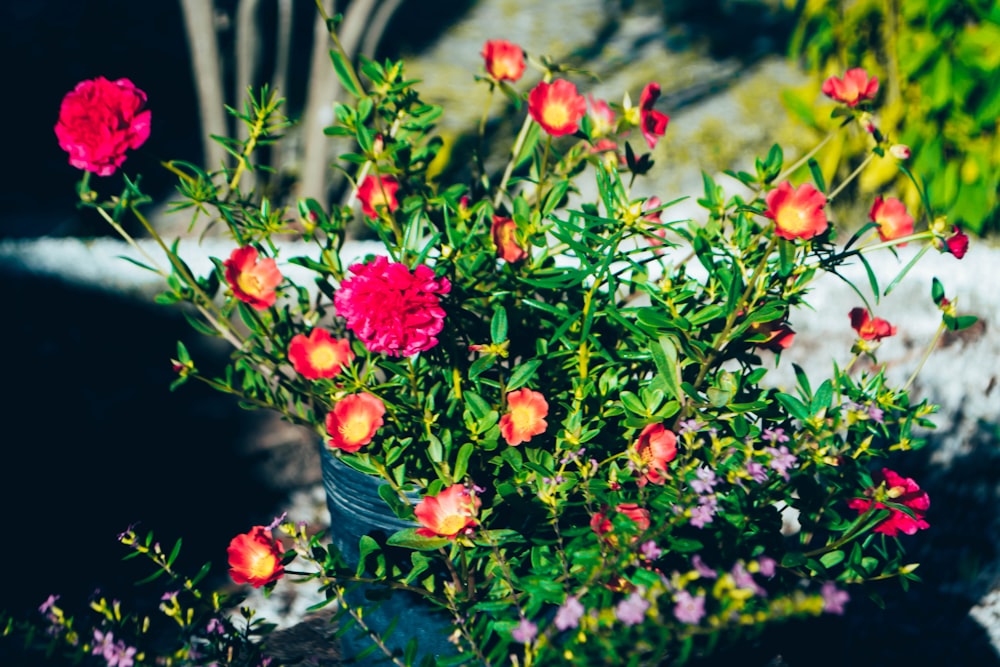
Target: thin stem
[518,143]
[805,158]
[927,354]
[851,177]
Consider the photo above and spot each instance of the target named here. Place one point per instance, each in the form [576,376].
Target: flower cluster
[559,396]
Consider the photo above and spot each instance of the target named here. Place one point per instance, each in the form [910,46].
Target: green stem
[830,197]
[927,353]
[518,144]
[805,158]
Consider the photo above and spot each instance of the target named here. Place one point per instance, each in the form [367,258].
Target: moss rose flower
[504,60]
[957,243]
[557,107]
[319,355]
[392,309]
[855,87]
[797,212]
[893,220]
[99,120]
[653,123]
[255,558]
[601,522]
[252,281]
[901,490]
[656,447]
[504,232]
[448,513]
[525,418]
[868,327]
[354,421]
[378,192]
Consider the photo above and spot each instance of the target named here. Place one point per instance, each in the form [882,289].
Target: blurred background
[94,439]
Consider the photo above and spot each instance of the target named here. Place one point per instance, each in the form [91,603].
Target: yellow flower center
[792,219]
[555,115]
[355,429]
[249,283]
[262,564]
[322,357]
[451,524]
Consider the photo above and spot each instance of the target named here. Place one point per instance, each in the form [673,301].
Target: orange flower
[251,281]
[525,418]
[557,107]
[868,327]
[601,524]
[504,60]
[656,447]
[319,355]
[893,220]
[855,87]
[797,212]
[354,421]
[255,558]
[503,231]
[377,192]
[448,513]
[652,122]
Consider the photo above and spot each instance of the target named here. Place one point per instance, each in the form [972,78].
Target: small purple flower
[569,614]
[781,460]
[689,426]
[689,608]
[703,513]
[699,565]
[757,471]
[525,632]
[573,456]
[122,656]
[168,596]
[744,580]
[774,435]
[479,489]
[650,550]
[277,521]
[705,480]
[834,599]
[876,414]
[103,643]
[594,466]
[767,566]
[48,604]
[632,610]
[215,627]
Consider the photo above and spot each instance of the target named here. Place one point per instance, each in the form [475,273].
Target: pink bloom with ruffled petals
[901,490]
[652,122]
[855,87]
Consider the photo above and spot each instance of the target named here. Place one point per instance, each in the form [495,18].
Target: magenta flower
[652,122]
[901,490]
[834,599]
[391,309]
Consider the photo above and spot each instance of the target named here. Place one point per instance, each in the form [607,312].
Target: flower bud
[900,151]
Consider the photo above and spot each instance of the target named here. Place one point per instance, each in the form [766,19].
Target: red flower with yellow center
[504,60]
[656,447]
[255,558]
[252,281]
[448,513]
[868,327]
[797,212]
[557,107]
[525,418]
[653,123]
[901,490]
[601,522]
[893,220]
[855,87]
[354,421]
[319,355]
[504,232]
[378,192]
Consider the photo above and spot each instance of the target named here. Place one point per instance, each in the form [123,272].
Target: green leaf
[392,499]
[794,406]
[523,374]
[343,70]
[937,291]
[498,326]
[462,462]
[665,357]
[408,539]
[366,545]
[832,558]
[823,397]
[817,174]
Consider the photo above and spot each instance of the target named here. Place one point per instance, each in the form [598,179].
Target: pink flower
[319,355]
[392,309]
[255,558]
[868,327]
[448,513]
[656,447]
[601,523]
[602,118]
[252,281]
[99,120]
[779,335]
[504,232]
[504,60]
[525,417]
[957,243]
[901,490]
[652,122]
[354,421]
[557,107]
[893,220]
[797,212]
[378,193]
[855,87]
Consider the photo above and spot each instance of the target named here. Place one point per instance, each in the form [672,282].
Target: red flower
[448,513]
[904,491]
[656,447]
[602,118]
[779,335]
[99,120]
[503,231]
[354,421]
[525,418]
[252,281]
[868,327]
[601,524]
[378,192]
[504,60]
[957,243]
[652,122]
[255,558]
[392,309]
[893,220]
[557,107]
[797,212]
[855,87]
[319,355]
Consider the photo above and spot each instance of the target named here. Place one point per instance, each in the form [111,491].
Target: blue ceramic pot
[355,510]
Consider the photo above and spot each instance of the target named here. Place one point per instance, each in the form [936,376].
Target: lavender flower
[689,426]
[525,632]
[689,608]
[650,550]
[48,604]
[774,435]
[744,580]
[703,513]
[782,460]
[632,610]
[757,471]
[834,599]
[876,414]
[766,566]
[569,614]
[699,565]
[705,480]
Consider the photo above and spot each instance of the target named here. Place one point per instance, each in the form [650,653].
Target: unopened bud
[900,151]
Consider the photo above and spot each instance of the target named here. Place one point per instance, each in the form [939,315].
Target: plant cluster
[560,387]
